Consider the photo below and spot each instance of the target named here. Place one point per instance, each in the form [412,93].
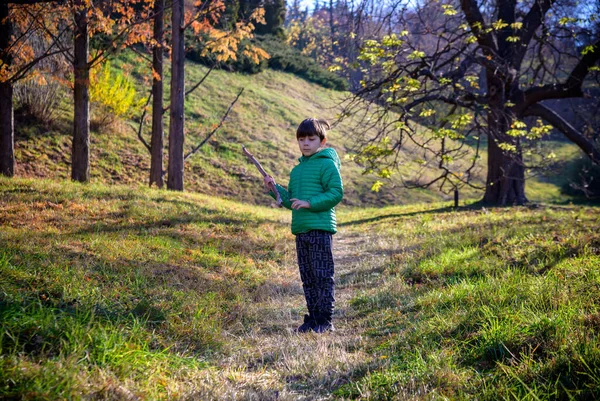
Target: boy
[315,187]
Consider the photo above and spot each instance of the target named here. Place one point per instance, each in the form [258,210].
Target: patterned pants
[315,259]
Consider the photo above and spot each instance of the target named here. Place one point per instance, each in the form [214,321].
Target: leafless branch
[194,150]
[193,88]
[475,19]
[141,125]
[531,23]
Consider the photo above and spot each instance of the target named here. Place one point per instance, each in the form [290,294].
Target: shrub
[37,98]
[289,59]
[112,95]
[583,179]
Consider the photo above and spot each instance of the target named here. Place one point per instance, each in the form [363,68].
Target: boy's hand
[269,183]
[299,204]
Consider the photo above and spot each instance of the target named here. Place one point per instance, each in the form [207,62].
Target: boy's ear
[323,141]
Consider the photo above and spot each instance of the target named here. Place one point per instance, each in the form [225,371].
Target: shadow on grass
[156,296]
[21,192]
[409,214]
[167,222]
[45,324]
[28,126]
[480,205]
[581,201]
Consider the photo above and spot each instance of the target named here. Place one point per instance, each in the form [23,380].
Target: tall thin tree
[11,72]
[176,122]
[157,139]
[80,150]
[7,153]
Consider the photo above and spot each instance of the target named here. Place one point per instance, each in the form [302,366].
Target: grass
[482,304]
[116,285]
[108,292]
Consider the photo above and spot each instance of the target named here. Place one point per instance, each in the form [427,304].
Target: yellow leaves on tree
[313,38]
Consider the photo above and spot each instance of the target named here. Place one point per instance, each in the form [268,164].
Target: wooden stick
[263,172]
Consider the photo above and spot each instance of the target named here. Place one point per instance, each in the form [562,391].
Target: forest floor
[108,292]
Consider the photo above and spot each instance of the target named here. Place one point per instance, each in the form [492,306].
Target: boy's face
[309,145]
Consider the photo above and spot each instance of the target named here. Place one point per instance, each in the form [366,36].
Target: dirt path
[269,361]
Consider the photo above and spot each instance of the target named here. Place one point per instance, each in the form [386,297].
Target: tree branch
[531,23]
[477,24]
[463,67]
[441,98]
[193,88]
[110,49]
[567,129]
[56,38]
[27,67]
[24,69]
[215,129]
[570,88]
[141,126]
[201,14]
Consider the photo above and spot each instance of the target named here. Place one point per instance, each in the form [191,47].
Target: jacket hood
[325,153]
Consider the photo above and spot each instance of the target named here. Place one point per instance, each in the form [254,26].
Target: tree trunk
[505,183]
[80,153]
[157,140]
[176,137]
[332,29]
[7,133]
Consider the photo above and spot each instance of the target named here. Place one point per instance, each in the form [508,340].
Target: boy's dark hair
[312,127]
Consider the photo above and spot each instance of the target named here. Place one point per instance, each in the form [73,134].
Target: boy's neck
[318,150]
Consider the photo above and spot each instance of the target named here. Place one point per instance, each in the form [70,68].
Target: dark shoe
[323,328]
[323,323]
[307,326]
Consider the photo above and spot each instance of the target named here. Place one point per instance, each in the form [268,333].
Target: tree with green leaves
[454,78]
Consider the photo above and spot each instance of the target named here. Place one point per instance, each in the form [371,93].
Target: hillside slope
[116,293]
[264,119]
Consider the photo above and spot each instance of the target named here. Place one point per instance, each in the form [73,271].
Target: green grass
[108,292]
[105,284]
[483,304]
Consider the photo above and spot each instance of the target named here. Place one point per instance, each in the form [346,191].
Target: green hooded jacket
[315,179]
